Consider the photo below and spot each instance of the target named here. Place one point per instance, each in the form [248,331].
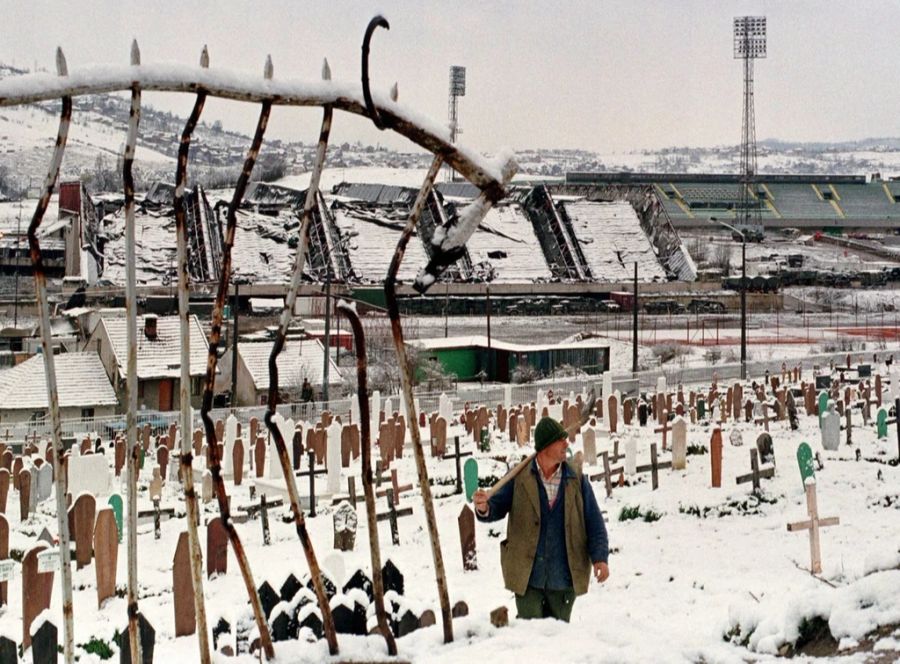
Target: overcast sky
[607,76]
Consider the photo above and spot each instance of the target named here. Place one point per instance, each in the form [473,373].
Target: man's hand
[601,571]
[480,500]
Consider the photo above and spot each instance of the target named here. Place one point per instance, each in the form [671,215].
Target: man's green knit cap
[546,432]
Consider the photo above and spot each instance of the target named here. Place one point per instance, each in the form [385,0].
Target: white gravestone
[333,459]
[607,384]
[630,456]
[89,474]
[736,438]
[445,407]
[507,396]
[231,424]
[354,409]
[44,482]
[831,428]
[375,409]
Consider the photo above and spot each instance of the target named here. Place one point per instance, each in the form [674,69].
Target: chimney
[150,327]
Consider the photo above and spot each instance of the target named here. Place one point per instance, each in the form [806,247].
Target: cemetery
[750,518]
[755,524]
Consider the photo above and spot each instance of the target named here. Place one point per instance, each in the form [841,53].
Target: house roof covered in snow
[159,357]
[300,359]
[80,379]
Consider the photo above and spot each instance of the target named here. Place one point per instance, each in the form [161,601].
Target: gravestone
[470,477]
[589,446]
[881,422]
[806,463]
[466,522]
[81,526]
[106,550]
[822,404]
[630,456]
[333,477]
[766,448]
[679,443]
[392,578]
[24,494]
[115,501]
[345,524]
[237,461]
[44,482]
[183,588]
[44,643]
[37,589]
[89,474]
[259,456]
[612,413]
[4,556]
[216,548]
[147,637]
[831,428]
[736,438]
[715,446]
[4,489]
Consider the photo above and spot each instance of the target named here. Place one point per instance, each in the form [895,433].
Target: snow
[685,580]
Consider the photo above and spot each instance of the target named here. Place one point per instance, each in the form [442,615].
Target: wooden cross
[312,472]
[664,429]
[812,525]
[393,514]
[457,456]
[606,474]
[755,474]
[654,466]
[615,454]
[849,425]
[764,420]
[396,489]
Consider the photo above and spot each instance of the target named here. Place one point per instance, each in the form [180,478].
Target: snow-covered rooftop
[160,357]
[298,360]
[80,379]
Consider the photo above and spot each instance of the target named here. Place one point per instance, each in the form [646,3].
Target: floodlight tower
[457,90]
[749,44]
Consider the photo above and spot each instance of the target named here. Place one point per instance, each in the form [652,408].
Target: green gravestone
[701,408]
[115,502]
[142,457]
[881,421]
[470,477]
[823,405]
[806,462]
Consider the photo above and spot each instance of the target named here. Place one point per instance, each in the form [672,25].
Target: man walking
[555,534]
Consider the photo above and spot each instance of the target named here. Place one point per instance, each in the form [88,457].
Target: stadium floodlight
[749,37]
[458,81]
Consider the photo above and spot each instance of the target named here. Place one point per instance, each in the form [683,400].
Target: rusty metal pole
[184,388]
[215,337]
[131,388]
[286,314]
[40,287]
[390,292]
[362,393]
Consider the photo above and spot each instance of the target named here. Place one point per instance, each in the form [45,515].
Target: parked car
[664,307]
[705,307]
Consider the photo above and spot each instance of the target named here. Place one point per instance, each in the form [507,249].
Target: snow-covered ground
[687,580]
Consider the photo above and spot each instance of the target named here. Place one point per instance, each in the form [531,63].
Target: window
[87,413]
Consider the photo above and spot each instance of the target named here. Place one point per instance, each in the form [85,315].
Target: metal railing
[475,394]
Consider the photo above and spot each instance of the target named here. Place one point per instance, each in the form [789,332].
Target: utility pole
[634,323]
[327,334]
[234,344]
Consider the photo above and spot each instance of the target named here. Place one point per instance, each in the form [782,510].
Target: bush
[524,373]
[668,352]
[713,355]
